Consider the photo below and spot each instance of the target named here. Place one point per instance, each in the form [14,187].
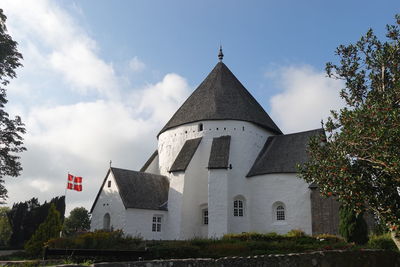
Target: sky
[101,78]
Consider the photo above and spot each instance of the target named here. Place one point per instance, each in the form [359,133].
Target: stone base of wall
[334,258]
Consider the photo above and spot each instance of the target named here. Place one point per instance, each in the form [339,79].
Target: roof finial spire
[220,54]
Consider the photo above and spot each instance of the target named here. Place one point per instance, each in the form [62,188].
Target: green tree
[358,160]
[352,225]
[50,228]
[25,218]
[5,227]
[78,221]
[10,129]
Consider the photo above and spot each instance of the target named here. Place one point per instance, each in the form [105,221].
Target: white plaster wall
[187,195]
[139,223]
[109,201]
[286,188]
[153,167]
[218,203]
[175,201]
[195,193]
[250,139]
[245,146]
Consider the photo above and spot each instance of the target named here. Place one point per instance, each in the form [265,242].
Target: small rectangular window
[109,184]
[205,216]
[156,225]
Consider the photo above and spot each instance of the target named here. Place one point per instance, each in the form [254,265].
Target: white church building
[221,166]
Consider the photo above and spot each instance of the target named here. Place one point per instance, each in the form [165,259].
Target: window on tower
[279,212]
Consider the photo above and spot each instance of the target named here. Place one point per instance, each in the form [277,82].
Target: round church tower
[217,132]
[220,106]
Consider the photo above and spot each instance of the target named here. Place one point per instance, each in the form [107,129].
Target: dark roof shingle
[219,156]
[139,190]
[282,153]
[221,96]
[185,155]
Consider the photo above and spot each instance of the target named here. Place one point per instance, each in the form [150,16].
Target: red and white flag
[70,184]
[74,183]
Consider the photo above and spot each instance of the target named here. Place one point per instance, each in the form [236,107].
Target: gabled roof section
[221,96]
[139,190]
[185,155]
[219,156]
[282,153]
[101,189]
[149,161]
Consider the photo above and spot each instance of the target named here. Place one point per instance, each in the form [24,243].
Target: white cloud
[136,64]
[51,39]
[41,185]
[81,138]
[307,97]
[162,99]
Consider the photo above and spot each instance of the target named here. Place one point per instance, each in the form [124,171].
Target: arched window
[280,213]
[106,222]
[238,207]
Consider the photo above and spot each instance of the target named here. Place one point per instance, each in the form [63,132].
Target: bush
[244,244]
[253,236]
[382,242]
[296,233]
[97,240]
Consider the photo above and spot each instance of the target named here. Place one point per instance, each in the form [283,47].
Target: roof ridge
[146,173]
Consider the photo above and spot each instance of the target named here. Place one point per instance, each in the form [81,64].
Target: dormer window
[200,127]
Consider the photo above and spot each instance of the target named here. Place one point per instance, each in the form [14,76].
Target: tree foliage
[11,130]
[78,221]
[359,159]
[352,226]
[47,230]
[5,228]
[25,218]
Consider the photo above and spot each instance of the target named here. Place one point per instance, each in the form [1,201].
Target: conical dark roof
[221,96]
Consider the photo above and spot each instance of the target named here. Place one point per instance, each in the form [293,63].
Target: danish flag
[74,183]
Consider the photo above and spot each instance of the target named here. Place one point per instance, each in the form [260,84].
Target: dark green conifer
[352,226]
[50,228]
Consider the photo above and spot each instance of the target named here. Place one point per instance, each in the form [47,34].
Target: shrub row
[245,244]
[97,240]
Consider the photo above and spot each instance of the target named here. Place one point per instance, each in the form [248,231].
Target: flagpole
[66,187]
[65,201]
